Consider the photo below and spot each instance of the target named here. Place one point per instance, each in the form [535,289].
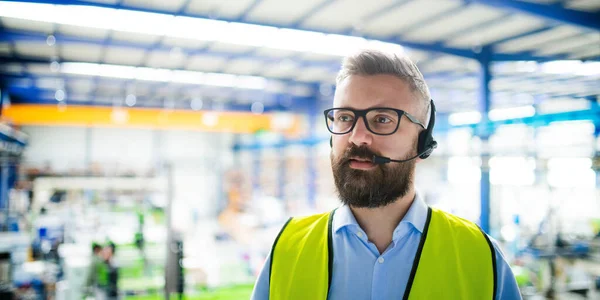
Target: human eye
[382,119]
[345,117]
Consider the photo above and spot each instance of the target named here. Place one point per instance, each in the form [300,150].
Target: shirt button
[359,234]
[381,260]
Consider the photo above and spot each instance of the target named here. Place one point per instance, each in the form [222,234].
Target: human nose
[360,135]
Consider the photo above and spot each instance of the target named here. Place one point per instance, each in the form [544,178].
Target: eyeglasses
[378,120]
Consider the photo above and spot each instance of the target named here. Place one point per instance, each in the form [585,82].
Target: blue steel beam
[13,79]
[26,60]
[246,11]
[524,34]
[554,12]
[433,47]
[15,36]
[415,45]
[484,108]
[60,75]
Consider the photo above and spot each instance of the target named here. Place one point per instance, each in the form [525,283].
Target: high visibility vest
[454,260]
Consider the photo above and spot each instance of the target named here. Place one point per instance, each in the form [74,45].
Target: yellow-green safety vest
[455,260]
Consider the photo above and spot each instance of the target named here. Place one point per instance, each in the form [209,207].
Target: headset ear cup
[422,142]
[429,150]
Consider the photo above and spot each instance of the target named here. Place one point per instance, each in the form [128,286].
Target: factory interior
[156,148]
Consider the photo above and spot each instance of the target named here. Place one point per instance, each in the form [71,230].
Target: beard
[377,187]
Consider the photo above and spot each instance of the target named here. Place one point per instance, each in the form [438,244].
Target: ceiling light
[511,113]
[165,75]
[191,28]
[464,118]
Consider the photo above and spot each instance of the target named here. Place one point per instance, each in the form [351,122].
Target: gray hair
[376,62]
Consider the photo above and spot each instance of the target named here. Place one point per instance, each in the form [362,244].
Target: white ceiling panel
[275,52]
[447,63]
[205,63]
[585,5]
[417,56]
[576,42]
[315,74]
[343,14]
[395,20]
[170,6]
[442,28]
[320,57]
[80,31]
[135,37]
[81,52]
[163,59]
[28,25]
[36,49]
[588,52]
[512,26]
[124,56]
[282,70]
[243,66]
[183,43]
[281,12]
[531,41]
[229,48]
[218,8]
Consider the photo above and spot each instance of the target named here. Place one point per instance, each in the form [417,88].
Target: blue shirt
[361,272]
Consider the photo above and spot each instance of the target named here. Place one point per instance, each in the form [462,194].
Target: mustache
[358,152]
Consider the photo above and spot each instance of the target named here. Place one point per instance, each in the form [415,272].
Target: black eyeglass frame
[358,113]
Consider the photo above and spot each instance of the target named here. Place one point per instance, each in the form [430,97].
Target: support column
[484,132]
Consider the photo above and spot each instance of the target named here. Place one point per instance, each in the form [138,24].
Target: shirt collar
[416,216]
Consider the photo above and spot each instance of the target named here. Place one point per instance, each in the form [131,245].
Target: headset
[425,145]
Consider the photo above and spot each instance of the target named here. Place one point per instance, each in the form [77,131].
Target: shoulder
[452,221]
[307,221]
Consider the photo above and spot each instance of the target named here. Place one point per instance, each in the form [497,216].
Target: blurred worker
[384,242]
[95,264]
[112,289]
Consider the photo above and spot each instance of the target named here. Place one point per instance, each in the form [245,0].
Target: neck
[379,223]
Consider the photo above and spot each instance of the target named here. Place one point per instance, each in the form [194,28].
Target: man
[95,264]
[384,242]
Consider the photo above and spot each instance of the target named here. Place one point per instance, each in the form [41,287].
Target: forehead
[360,92]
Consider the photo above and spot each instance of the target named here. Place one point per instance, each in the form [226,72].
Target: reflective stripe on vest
[454,260]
